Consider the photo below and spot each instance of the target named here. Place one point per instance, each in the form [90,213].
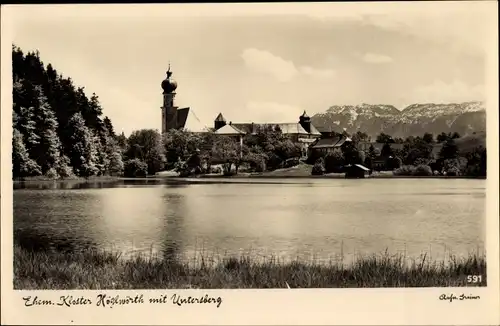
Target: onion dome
[304,117]
[168,84]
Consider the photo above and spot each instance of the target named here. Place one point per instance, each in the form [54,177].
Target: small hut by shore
[356,171]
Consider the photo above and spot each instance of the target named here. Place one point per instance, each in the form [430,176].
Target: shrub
[63,168]
[423,170]
[410,170]
[452,171]
[274,162]
[318,168]
[52,174]
[397,162]
[405,170]
[291,162]
[334,162]
[216,170]
[135,168]
[313,157]
[455,167]
[422,161]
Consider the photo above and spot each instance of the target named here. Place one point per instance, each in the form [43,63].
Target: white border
[317,306]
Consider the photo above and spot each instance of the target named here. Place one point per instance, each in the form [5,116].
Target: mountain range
[414,120]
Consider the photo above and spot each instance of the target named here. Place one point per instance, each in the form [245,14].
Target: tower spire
[169,72]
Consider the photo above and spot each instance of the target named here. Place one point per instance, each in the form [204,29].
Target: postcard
[265,163]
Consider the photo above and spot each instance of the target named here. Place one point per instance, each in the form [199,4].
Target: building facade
[302,133]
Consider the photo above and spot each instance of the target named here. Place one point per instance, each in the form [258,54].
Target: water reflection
[173,226]
[37,241]
[318,218]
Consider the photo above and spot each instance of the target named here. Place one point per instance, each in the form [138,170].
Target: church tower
[168,110]
[305,122]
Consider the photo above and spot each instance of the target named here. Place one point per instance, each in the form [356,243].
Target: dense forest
[59,132]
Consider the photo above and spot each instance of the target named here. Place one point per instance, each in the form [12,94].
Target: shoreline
[239,176]
[77,270]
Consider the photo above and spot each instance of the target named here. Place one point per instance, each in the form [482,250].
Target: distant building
[356,171]
[325,146]
[302,133]
[327,132]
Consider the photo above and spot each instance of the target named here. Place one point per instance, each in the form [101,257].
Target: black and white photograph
[244,147]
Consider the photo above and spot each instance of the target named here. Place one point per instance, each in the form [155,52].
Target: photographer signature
[452,297]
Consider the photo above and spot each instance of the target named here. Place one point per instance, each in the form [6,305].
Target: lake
[320,219]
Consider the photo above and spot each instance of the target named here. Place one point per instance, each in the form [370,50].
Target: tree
[121,141]
[351,153]
[22,164]
[455,166]
[418,149]
[46,150]
[384,138]
[276,147]
[46,106]
[256,157]
[63,167]
[146,145]
[449,150]
[334,162]
[360,136]
[135,168]
[179,145]
[319,167]
[387,150]
[442,137]
[109,126]
[371,152]
[83,154]
[115,164]
[226,150]
[428,138]
[476,162]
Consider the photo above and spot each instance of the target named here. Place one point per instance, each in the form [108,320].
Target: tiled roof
[362,167]
[292,128]
[315,131]
[324,129]
[187,119]
[229,130]
[331,142]
[286,128]
[220,117]
[328,143]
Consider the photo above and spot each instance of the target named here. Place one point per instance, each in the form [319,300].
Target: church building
[302,132]
[173,117]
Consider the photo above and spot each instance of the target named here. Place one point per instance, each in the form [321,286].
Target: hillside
[415,120]
[58,130]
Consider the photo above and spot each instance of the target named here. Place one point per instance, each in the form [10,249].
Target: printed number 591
[474,278]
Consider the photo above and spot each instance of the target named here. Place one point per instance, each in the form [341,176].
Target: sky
[262,62]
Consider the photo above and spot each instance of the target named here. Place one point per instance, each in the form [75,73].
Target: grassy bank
[97,270]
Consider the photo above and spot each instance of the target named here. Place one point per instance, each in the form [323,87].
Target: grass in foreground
[97,270]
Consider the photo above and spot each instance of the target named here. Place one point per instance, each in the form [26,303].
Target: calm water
[310,219]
